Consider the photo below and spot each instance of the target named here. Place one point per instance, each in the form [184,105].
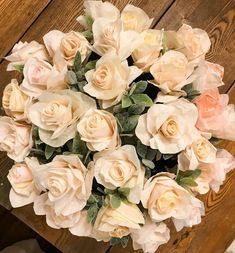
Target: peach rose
[134,18]
[22,51]
[164,199]
[99,130]
[148,52]
[23,191]
[15,138]
[41,76]
[57,115]
[15,102]
[67,44]
[117,222]
[168,127]
[120,168]
[110,79]
[150,236]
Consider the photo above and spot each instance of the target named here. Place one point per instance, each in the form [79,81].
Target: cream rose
[67,44]
[23,191]
[57,115]
[134,18]
[110,79]
[120,168]
[117,222]
[148,52]
[22,51]
[15,102]
[41,76]
[196,42]
[150,236]
[99,130]
[164,199]
[168,127]
[68,183]
[15,138]
[200,151]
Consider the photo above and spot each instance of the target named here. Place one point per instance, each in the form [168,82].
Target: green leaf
[71,77]
[141,149]
[115,241]
[147,172]
[89,20]
[88,34]
[158,155]
[188,181]
[132,88]
[124,241]
[140,87]
[215,140]
[109,191]
[92,199]
[124,191]
[19,67]
[79,146]
[136,109]
[117,109]
[148,163]
[164,43]
[126,102]
[81,84]
[142,99]
[131,123]
[92,213]
[90,65]
[115,201]
[151,154]
[187,88]
[49,151]
[191,173]
[167,156]
[77,61]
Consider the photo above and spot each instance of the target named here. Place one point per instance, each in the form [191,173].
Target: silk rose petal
[168,127]
[120,168]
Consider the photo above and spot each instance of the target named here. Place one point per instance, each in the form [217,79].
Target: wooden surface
[28,20]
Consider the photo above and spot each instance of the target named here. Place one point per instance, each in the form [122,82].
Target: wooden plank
[16,17]
[218,19]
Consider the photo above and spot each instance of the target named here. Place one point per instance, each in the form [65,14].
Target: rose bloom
[171,72]
[22,51]
[117,222]
[68,183]
[208,76]
[57,115]
[148,52]
[120,168]
[150,236]
[110,79]
[14,101]
[196,42]
[67,44]
[168,127]
[200,151]
[15,138]
[164,199]
[99,130]
[134,18]
[23,191]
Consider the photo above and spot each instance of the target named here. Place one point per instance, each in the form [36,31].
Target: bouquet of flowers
[112,129]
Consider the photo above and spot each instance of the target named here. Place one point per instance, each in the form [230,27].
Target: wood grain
[16,17]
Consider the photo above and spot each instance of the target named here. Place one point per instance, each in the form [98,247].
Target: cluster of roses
[80,100]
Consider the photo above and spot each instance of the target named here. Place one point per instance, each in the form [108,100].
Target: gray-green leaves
[191,93]
[187,178]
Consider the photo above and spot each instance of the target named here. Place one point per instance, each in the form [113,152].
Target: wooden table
[29,20]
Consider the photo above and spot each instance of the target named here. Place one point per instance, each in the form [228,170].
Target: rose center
[166,202]
[102,78]
[170,128]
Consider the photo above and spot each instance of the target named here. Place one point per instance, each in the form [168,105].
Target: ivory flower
[134,18]
[15,138]
[164,199]
[168,127]
[99,130]
[150,236]
[67,44]
[117,222]
[120,168]
[23,191]
[14,101]
[22,51]
[110,79]
[57,115]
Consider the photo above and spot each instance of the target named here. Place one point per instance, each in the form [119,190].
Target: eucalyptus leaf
[131,123]
[49,151]
[151,154]
[141,149]
[124,241]
[88,34]
[167,156]
[136,109]
[188,181]
[124,191]
[77,61]
[115,201]
[71,77]
[19,67]
[158,155]
[142,99]
[92,213]
[215,140]
[148,163]
[117,109]
[89,20]
[92,199]
[132,88]
[126,102]
[90,65]
[109,191]
[140,87]
[79,146]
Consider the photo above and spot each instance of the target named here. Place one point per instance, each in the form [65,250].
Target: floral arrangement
[112,129]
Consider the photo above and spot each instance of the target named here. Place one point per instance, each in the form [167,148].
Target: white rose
[67,44]
[148,52]
[57,115]
[120,168]
[164,199]
[21,52]
[99,130]
[117,222]
[14,101]
[168,127]
[150,236]
[134,18]
[15,138]
[110,79]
